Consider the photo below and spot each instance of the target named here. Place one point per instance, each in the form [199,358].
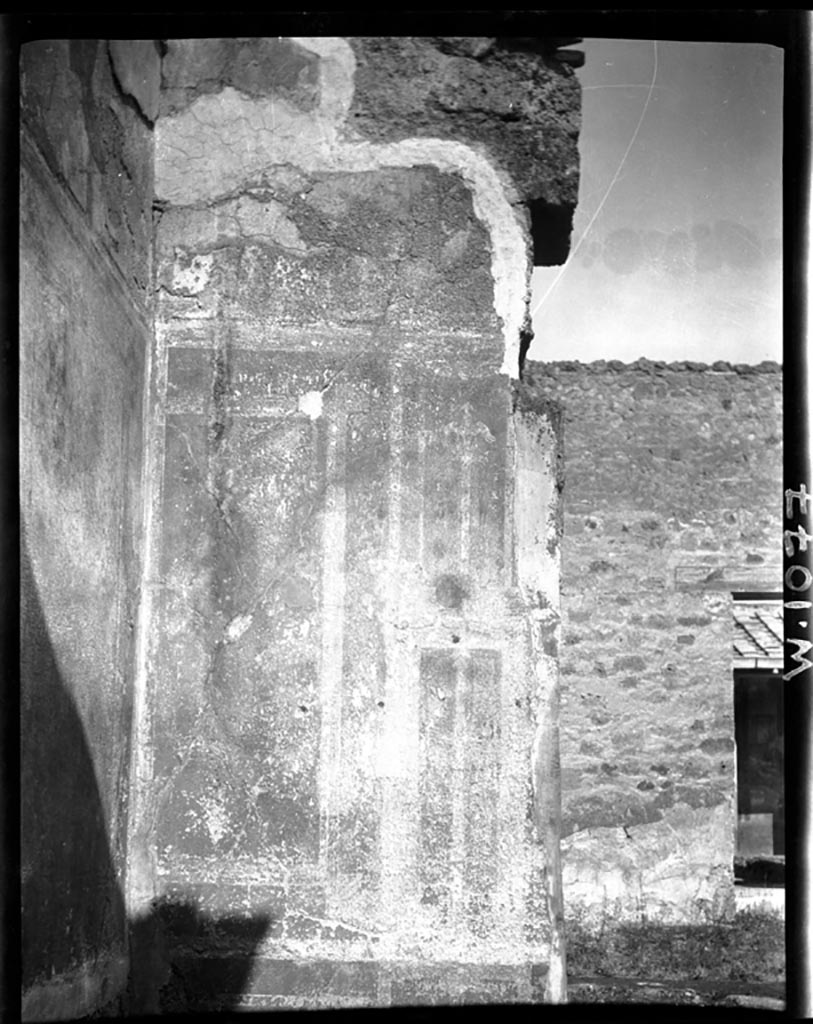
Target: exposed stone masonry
[522,107]
[672,501]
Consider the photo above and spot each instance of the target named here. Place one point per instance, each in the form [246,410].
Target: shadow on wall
[73,909]
[158,981]
[74,921]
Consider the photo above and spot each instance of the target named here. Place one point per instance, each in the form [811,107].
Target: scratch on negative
[611,186]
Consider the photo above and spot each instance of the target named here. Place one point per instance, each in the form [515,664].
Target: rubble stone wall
[672,502]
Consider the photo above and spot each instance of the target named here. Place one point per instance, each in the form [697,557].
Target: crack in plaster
[270,131]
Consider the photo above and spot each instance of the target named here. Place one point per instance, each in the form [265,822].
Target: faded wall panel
[344,690]
[238,635]
[365,745]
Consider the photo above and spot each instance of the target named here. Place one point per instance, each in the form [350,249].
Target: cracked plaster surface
[226,140]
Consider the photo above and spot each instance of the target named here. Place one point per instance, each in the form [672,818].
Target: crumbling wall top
[538,370]
[522,105]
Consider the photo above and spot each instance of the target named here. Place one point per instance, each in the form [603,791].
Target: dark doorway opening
[759,733]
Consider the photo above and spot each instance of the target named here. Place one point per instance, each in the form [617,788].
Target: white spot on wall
[193,277]
[311,404]
[238,625]
[215,818]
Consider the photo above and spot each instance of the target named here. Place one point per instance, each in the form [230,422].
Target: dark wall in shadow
[188,961]
[83,340]
[73,908]
[85,222]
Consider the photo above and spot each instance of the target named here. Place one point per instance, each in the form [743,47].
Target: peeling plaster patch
[215,818]
[260,133]
[248,217]
[267,220]
[337,69]
[311,404]
[200,155]
[509,253]
[193,277]
[237,627]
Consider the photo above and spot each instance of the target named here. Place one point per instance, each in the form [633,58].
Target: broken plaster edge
[534,441]
[510,248]
[321,141]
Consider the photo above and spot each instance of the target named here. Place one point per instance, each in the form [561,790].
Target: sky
[677,240]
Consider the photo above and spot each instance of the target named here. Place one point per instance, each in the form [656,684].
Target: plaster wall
[347,749]
[85,327]
[290,562]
